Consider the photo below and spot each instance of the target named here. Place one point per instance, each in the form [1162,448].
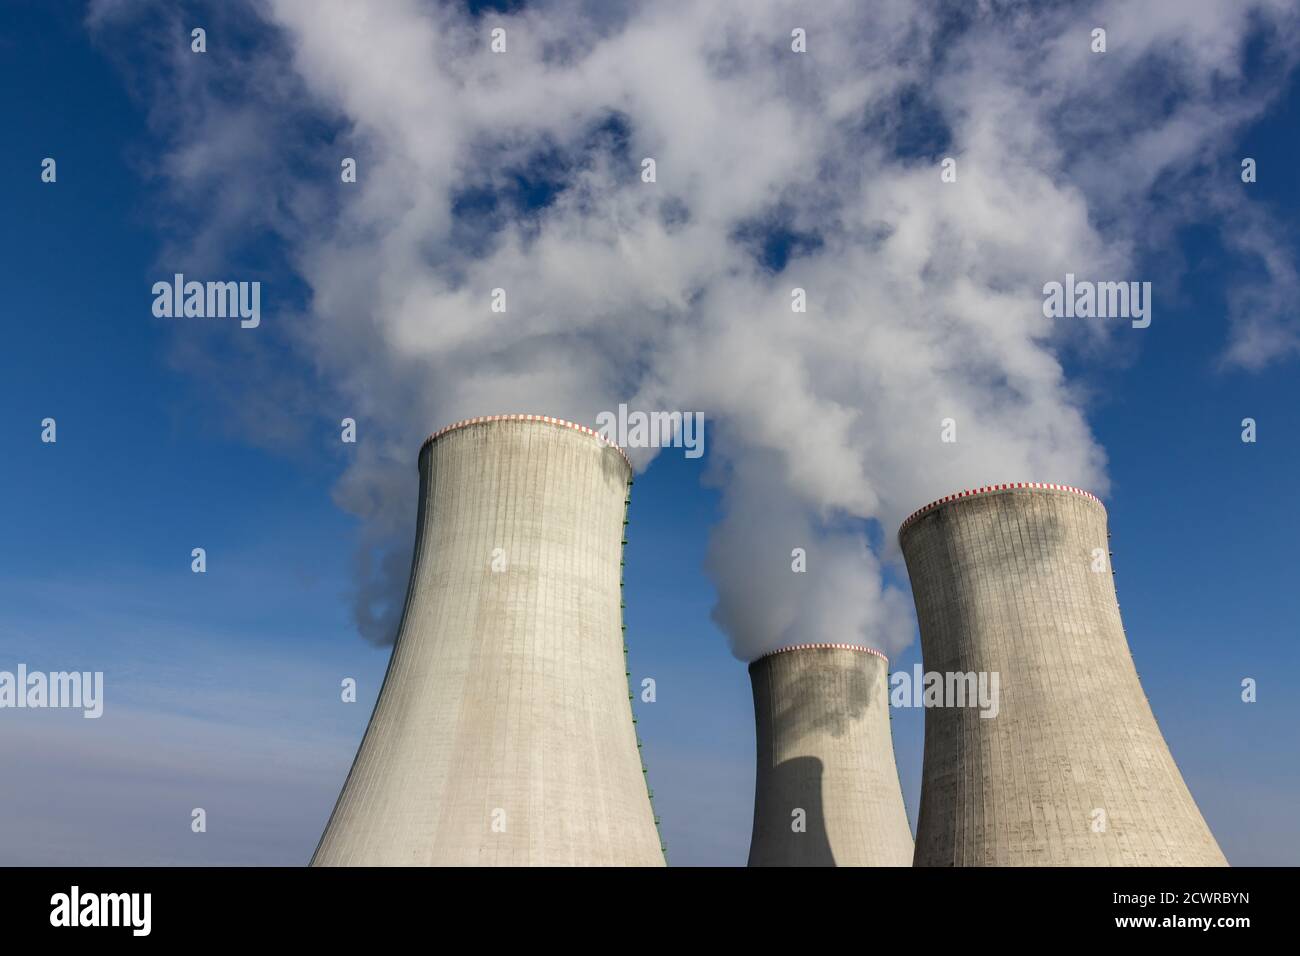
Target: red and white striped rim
[546,419]
[817,647]
[988,489]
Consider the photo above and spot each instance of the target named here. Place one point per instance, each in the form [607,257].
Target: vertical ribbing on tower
[1073,768]
[826,790]
[503,733]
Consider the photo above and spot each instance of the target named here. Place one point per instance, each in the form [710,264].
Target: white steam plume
[775,170]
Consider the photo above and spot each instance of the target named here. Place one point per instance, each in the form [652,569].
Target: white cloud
[924,296]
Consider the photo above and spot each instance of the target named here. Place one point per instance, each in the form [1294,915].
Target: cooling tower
[1072,769]
[826,791]
[503,734]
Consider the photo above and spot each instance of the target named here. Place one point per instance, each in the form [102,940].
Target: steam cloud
[775,170]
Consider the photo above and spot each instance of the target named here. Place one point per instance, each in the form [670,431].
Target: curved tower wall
[821,714]
[503,734]
[1072,769]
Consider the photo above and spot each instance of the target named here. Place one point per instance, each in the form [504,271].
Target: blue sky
[222,688]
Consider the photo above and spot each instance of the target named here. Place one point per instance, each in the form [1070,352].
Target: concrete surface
[821,715]
[503,733]
[1073,770]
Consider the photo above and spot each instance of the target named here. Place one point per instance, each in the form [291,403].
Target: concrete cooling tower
[826,791]
[1072,769]
[503,734]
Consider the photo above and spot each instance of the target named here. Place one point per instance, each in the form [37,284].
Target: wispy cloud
[235,721]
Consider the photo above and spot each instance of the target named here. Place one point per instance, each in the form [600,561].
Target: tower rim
[862,648]
[520,417]
[994,489]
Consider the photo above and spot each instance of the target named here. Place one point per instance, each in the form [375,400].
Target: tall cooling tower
[503,733]
[826,791]
[1072,769]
